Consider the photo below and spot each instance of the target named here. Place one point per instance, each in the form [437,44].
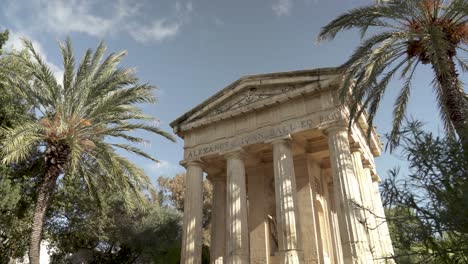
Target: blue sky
[192,49]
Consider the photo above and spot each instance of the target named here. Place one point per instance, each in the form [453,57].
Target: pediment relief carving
[250,95]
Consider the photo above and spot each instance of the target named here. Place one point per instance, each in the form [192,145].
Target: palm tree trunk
[44,194]
[455,100]
[56,157]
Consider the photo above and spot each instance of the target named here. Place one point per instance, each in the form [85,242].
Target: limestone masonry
[291,182]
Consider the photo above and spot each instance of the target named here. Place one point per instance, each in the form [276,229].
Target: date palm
[80,124]
[407,33]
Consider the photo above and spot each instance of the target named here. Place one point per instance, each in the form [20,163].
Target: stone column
[334,225]
[306,171]
[346,194]
[218,220]
[289,240]
[258,217]
[193,202]
[237,240]
[373,231]
[382,227]
[362,199]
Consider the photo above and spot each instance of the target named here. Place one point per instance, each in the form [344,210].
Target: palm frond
[19,142]
[68,64]
[135,150]
[456,10]
[128,127]
[97,57]
[96,101]
[48,83]
[373,99]
[400,109]
[84,68]
[463,63]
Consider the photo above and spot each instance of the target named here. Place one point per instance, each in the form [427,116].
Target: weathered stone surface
[289,235]
[192,229]
[347,196]
[237,243]
[286,186]
[218,220]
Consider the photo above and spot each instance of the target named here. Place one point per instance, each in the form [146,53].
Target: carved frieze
[252,95]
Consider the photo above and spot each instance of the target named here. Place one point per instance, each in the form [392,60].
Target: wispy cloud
[282,7]
[124,16]
[164,28]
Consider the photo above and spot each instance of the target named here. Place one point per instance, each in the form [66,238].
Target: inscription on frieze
[262,135]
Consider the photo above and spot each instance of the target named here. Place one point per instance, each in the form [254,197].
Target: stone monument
[291,182]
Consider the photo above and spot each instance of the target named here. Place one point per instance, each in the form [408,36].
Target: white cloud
[164,28]
[64,17]
[282,7]
[157,31]
[163,167]
[15,42]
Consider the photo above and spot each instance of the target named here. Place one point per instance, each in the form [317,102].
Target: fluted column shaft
[218,221]
[364,214]
[370,205]
[237,242]
[289,240]
[386,242]
[193,202]
[346,194]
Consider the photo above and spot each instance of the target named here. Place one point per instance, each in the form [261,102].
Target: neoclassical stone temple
[291,182]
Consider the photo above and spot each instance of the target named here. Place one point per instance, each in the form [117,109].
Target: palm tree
[407,33]
[80,124]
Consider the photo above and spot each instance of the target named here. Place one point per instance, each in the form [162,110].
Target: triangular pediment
[253,92]
[250,95]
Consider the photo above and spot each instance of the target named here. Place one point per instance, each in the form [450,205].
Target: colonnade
[361,234]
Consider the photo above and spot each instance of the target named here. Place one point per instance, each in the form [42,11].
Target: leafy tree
[172,193]
[3,38]
[80,231]
[17,181]
[76,118]
[408,33]
[428,208]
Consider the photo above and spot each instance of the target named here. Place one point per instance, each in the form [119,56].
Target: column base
[291,257]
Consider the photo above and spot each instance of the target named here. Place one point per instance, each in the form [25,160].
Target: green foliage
[111,232]
[81,122]
[407,33]
[94,102]
[172,194]
[17,181]
[3,39]
[428,208]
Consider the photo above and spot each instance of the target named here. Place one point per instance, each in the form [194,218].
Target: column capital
[338,125]
[282,140]
[278,140]
[188,163]
[355,147]
[238,153]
